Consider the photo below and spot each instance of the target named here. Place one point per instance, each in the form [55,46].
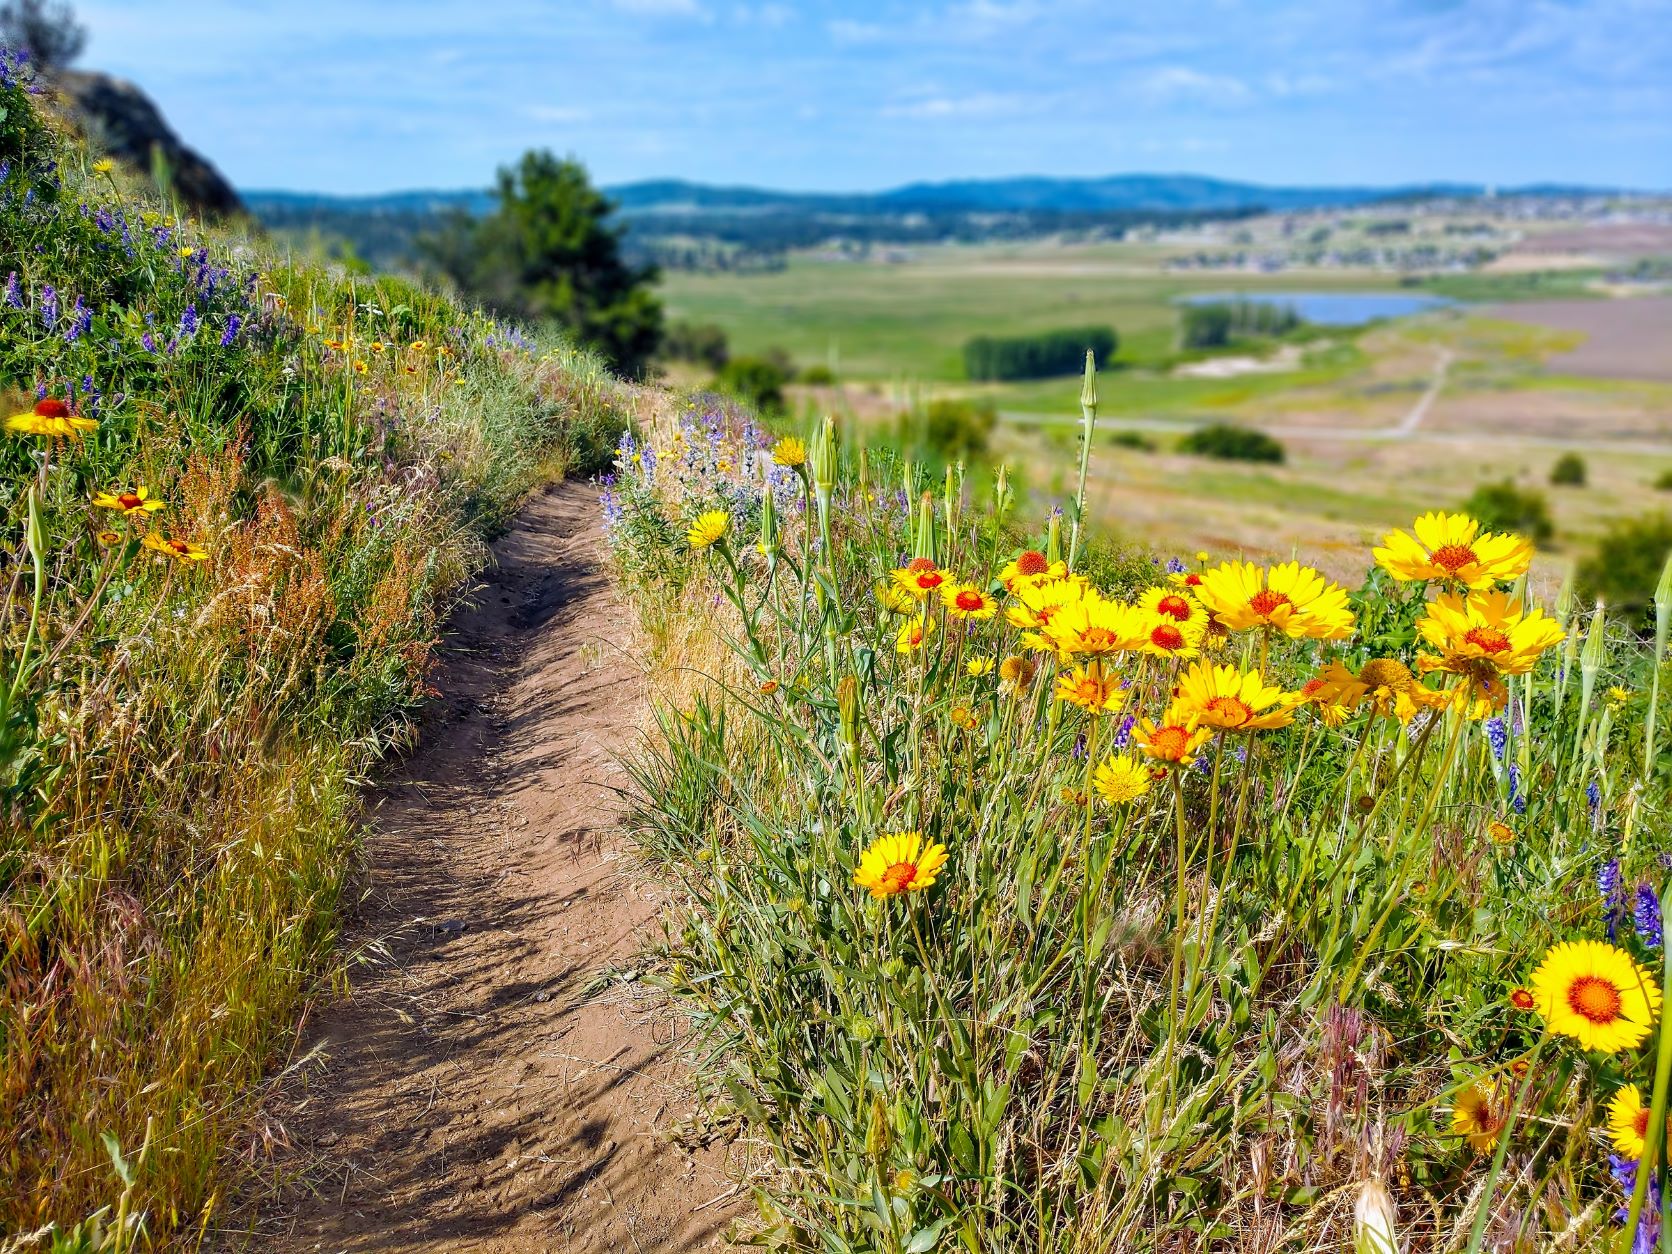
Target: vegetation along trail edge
[486,1086]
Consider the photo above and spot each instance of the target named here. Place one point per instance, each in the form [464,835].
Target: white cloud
[975,105]
[662,8]
[558,113]
[1171,83]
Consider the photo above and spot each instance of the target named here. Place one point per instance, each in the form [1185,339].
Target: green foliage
[949,429]
[758,381]
[701,342]
[1507,506]
[337,450]
[1037,356]
[550,253]
[1231,442]
[1132,440]
[1569,471]
[1216,324]
[1663,481]
[817,376]
[1624,566]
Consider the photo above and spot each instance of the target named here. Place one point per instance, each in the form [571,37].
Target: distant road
[1419,411]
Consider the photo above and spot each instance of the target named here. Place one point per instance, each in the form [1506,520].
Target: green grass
[1214,1008]
[181,740]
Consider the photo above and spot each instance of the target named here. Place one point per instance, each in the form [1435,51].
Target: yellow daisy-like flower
[920,577]
[893,598]
[965,600]
[1500,832]
[1483,638]
[1628,1122]
[900,862]
[1120,779]
[136,501]
[1293,599]
[1091,688]
[104,165]
[1031,565]
[179,550]
[979,666]
[790,451]
[913,633]
[1385,684]
[963,716]
[1478,1116]
[709,529]
[1038,602]
[1182,607]
[50,418]
[1175,741]
[1316,693]
[1098,627]
[1450,547]
[1169,637]
[1016,673]
[1223,697]
[110,539]
[1595,993]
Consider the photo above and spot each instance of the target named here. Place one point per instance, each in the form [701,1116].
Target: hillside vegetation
[1035,899]
[237,497]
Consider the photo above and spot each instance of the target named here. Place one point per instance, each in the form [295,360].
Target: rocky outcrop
[123,121]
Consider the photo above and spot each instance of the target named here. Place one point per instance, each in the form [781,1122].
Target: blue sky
[371,95]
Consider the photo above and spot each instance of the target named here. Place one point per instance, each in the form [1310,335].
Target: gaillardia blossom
[136,501]
[919,577]
[1293,599]
[1175,741]
[1628,1122]
[1478,1116]
[900,862]
[1483,638]
[179,550]
[965,600]
[51,418]
[1450,547]
[1231,700]
[1595,993]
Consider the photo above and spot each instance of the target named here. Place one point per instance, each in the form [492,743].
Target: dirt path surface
[493,1083]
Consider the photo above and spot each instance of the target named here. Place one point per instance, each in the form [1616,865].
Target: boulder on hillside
[123,120]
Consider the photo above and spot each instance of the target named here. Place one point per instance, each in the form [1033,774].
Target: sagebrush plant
[1223,909]
[237,497]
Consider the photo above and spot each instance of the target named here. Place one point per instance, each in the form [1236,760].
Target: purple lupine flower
[188,321]
[149,341]
[1175,566]
[81,318]
[14,291]
[1123,734]
[1624,1171]
[49,306]
[1517,802]
[1645,916]
[1593,797]
[1610,886]
[1079,750]
[1497,735]
[233,322]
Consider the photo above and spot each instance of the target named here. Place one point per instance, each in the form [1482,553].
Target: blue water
[1335,309]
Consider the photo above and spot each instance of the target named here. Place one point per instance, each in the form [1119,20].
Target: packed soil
[1625,339]
[496,1079]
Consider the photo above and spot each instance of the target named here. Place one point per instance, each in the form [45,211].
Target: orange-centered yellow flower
[1595,993]
[1167,636]
[1031,565]
[1385,684]
[965,600]
[900,862]
[1180,606]
[914,633]
[1450,547]
[1628,1122]
[1478,1116]
[1091,688]
[1293,599]
[920,577]
[179,550]
[1483,638]
[1174,742]
[1038,601]
[1231,700]
[51,418]
[136,501]
[1098,627]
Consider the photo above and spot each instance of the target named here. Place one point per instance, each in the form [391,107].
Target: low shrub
[758,381]
[1230,442]
[1624,566]
[1507,506]
[1569,471]
[1216,324]
[701,342]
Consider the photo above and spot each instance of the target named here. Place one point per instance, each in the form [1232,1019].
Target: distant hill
[1121,193]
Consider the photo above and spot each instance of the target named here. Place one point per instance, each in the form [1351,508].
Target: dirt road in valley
[493,1083]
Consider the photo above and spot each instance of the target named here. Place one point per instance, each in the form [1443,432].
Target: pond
[1334,309]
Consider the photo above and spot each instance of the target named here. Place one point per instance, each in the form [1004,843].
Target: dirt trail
[480,1091]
